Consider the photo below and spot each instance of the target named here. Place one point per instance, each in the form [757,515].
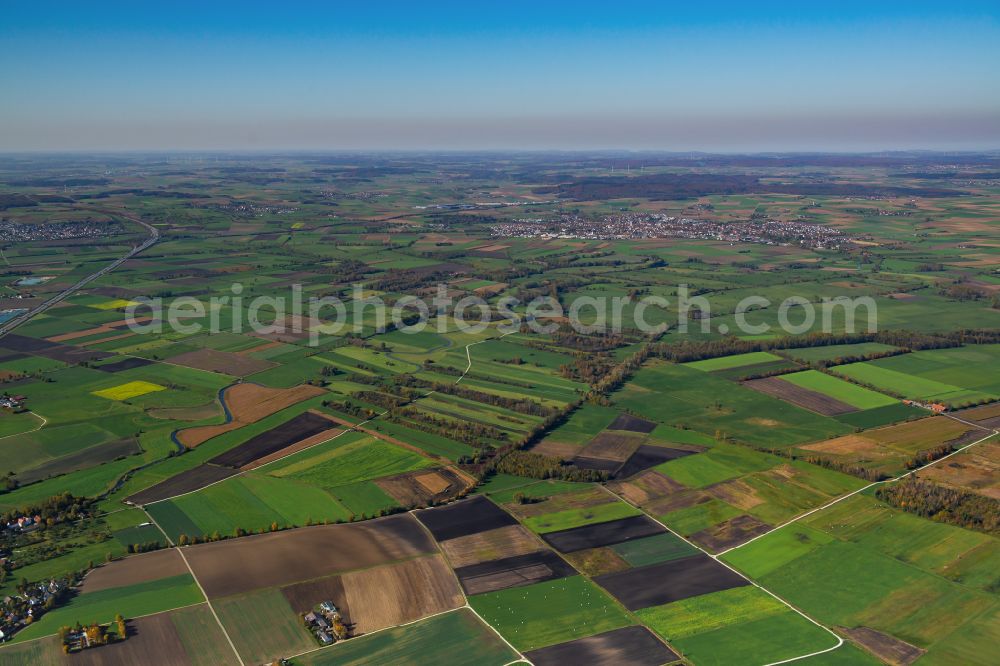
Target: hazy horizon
[580,77]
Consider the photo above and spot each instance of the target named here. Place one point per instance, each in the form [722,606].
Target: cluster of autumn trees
[54,510]
[847,468]
[587,368]
[96,634]
[538,466]
[144,547]
[946,505]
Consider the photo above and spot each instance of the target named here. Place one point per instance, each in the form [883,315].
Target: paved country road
[154,235]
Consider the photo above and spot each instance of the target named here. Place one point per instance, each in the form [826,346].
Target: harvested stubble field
[267,560]
[908,438]
[730,533]
[490,545]
[976,469]
[248,403]
[645,487]
[135,569]
[615,446]
[222,362]
[596,561]
[425,486]
[384,596]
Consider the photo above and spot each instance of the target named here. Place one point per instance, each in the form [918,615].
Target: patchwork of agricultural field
[495,494]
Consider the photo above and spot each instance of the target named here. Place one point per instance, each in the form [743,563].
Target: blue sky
[522,75]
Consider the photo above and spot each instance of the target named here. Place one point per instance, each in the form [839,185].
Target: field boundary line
[41,425]
[197,582]
[993,433]
[840,640]
[379,631]
[134,617]
[211,608]
[444,559]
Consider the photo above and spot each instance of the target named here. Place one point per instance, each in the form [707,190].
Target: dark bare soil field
[887,648]
[302,597]
[152,640]
[135,569]
[463,518]
[513,572]
[125,364]
[233,566]
[803,397]
[632,423]
[600,464]
[300,427]
[662,583]
[636,646]
[95,455]
[646,457]
[603,534]
[185,482]
[731,533]
[53,350]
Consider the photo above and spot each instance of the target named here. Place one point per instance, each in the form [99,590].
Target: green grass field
[734,361]
[366,459]
[457,638]
[263,626]
[954,377]
[708,612]
[251,502]
[130,601]
[653,549]
[564,520]
[838,389]
[547,613]
[678,395]
[772,638]
[723,461]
